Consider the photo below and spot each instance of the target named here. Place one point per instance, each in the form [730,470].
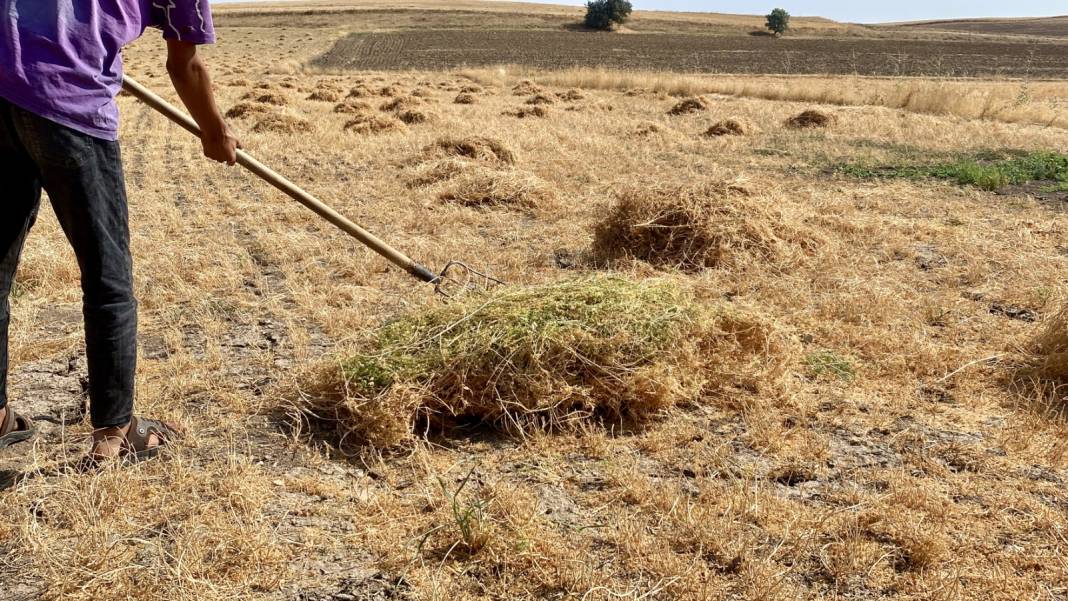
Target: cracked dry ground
[870,475]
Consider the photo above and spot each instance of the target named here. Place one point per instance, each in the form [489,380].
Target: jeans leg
[19,199]
[84,180]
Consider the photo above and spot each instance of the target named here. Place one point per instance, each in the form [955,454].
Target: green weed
[828,363]
[988,170]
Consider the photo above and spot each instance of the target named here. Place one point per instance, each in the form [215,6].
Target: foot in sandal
[138,440]
[14,428]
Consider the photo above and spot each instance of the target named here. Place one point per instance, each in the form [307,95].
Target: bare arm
[193,84]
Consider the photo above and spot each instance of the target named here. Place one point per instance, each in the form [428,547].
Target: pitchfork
[455,277]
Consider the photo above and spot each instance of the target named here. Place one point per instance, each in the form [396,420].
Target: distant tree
[602,14]
[779,21]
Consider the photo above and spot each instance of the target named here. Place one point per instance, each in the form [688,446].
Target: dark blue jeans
[84,181]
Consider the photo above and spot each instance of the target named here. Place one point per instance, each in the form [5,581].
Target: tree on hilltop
[778,21]
[603,14]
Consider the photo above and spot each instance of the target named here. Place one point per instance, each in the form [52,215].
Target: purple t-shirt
[61,59]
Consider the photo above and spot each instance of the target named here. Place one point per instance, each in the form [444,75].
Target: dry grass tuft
[247,109]
[267,98]
[282,124]
[473,147]
[547,356]
[810,119]
[523,113]
[729,127]
[477,186]
[700,226]
[689,105]
[465,98]
[366,124]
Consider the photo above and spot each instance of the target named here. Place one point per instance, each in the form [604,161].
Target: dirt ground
[454,49]
[1052,27]
[895,462]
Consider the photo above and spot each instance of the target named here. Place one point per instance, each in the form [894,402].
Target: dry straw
[729,127]
[473,147]
[545,356]
[1049,351]
[693,227]
[283,124]
[478,186]
[242,110]
[267,98]
[689,105]
[810,119]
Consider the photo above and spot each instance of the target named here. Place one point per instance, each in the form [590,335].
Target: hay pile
[809,119]
[570,96]
[325,95]
[694,227]
[267,98]
[689,105]
[478,186]
[369,123]
[523,113]
[360,91]
[472,147]
[1049,352]
[282,124]
[647,129]
[729,127]
[547,356]
[414,117]
[247,109]
[526,88]
[401,103]
[540,99]
[353,107]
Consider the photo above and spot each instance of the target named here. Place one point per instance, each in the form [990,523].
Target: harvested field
[444,50]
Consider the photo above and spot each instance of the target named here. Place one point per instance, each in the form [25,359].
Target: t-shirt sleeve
[184,20]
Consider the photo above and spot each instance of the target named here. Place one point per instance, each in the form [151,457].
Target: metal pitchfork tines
[458,277]
[454,279]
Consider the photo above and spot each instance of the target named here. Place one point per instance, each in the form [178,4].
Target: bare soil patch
[452,49]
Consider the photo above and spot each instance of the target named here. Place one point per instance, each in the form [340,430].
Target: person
[60,72]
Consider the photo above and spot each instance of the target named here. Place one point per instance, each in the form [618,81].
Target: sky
[861,11]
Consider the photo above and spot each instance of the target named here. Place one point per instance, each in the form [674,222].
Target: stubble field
[892,453]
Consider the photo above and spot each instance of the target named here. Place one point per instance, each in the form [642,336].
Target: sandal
[135,447]
[15,429]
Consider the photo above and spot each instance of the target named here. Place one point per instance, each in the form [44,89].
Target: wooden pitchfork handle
[292,190]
